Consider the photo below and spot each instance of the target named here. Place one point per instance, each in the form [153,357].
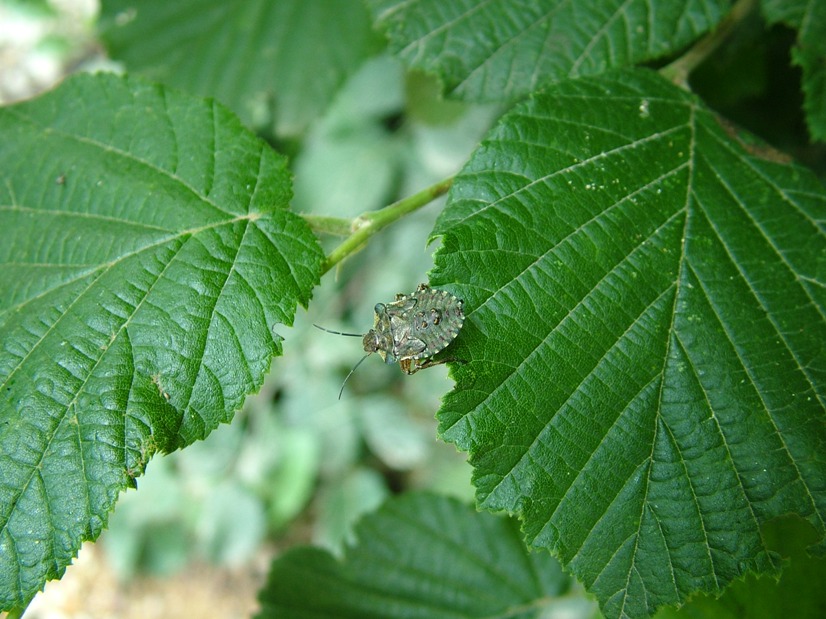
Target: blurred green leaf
[252,55]
[809,18]
[141,287]
[345,174]
[41,8]
[392,434]
[797,593]
[292,482]
[344,502]
[499,50]
[418,556]
[232,524]
[644,361]
[132,530]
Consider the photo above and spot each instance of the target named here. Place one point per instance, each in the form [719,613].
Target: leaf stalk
[679,70]
[324,224]
[367,224]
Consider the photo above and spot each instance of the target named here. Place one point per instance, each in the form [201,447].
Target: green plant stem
[679,70]
[324,224]
[16,613]
[366,225]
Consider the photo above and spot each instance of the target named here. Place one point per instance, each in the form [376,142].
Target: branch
[679,70]
[367,224]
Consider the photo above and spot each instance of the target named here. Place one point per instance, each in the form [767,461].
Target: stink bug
[412,329]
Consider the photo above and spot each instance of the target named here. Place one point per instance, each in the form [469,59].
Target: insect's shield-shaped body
[411,329]
[415,327]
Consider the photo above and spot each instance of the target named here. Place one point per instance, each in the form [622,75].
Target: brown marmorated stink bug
[411,329]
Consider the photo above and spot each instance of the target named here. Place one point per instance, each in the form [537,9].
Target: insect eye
[379,309]
[371,341]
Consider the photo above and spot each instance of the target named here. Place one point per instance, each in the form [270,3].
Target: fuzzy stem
[679,70]
[366,225]
[324,224]
[17,612]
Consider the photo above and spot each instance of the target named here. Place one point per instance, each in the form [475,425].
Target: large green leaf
[644,343]
[251,54]
[809,18]
[147,257]
[798,593]
[494,50]
[418,556]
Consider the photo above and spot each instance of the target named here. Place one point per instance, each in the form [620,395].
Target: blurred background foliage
[297,465]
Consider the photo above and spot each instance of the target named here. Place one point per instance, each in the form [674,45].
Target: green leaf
[798,593]
[252,55]
[644,344]
[418,556]
[495,50]
[148,256]
[809,18]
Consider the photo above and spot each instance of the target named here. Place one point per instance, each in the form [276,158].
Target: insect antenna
[346,378]
[356,365]
[338,332]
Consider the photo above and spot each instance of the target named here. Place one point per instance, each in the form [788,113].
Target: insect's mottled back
[415,326]
[412,329]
